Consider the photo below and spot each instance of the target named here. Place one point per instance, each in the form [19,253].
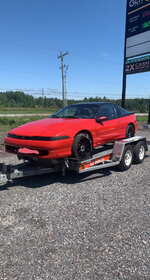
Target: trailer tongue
[122,153]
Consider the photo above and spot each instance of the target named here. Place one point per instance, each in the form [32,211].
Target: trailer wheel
[82,146]
[127,158]
[139,152]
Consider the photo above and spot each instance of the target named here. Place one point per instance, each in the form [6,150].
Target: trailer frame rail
[103,158]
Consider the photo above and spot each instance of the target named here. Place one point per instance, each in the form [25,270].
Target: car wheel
[130,132]
[82,146]
[127,158]
[139,152]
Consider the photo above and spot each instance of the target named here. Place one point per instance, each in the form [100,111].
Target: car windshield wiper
[65,117]
[54,116]
[71,117]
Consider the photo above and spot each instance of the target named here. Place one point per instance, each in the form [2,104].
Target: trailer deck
[121,153]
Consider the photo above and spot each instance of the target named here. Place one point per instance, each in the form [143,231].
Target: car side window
[121,111]
[108,111]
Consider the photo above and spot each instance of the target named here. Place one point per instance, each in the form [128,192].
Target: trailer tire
[127,158]
[139,151]
[82,146]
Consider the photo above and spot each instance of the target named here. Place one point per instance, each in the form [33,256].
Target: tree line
[17,99]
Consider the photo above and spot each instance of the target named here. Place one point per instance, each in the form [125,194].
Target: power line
[54,92]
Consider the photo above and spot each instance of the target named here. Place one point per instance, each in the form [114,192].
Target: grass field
[27,110]
[7,123]
[142,118]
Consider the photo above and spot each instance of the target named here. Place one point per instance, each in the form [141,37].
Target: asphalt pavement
[79,227]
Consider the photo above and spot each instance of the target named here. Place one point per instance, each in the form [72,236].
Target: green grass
[142,119]
[7,123]
[27,110]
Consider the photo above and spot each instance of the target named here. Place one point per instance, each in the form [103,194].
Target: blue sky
[34,31]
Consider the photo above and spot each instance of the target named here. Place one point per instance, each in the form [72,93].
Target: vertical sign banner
[137,28]
[137,40]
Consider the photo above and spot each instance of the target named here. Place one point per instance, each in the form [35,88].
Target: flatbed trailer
[120,153]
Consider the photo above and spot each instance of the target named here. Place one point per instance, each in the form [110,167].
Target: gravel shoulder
[77,227]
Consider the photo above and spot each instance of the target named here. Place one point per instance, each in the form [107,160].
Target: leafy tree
[17,99]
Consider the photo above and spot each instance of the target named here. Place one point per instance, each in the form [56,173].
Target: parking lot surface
[78,227]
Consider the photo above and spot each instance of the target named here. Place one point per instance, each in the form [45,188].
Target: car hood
[49,127]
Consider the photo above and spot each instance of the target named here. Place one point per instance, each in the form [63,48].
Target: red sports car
[73,131]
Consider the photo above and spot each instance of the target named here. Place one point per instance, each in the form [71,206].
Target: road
[79,227]
[22,115]
[30,115]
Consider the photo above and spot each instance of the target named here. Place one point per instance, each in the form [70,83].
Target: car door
[107,130]
[123,117]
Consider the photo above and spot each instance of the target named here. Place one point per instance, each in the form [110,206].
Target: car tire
[139,152]
[127,158]
[130,132]
[82,146]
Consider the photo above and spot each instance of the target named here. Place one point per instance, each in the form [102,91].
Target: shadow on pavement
[70,178]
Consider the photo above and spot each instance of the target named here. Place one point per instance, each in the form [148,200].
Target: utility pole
[65,83]
[65,89]
[62,71]
[43,98]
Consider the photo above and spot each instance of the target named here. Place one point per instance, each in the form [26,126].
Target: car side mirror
[101,119]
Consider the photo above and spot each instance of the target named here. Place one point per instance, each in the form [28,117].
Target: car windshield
[81,111]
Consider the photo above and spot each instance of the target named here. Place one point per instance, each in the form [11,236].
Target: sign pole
[123,89]
[149,112]
[124,74]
